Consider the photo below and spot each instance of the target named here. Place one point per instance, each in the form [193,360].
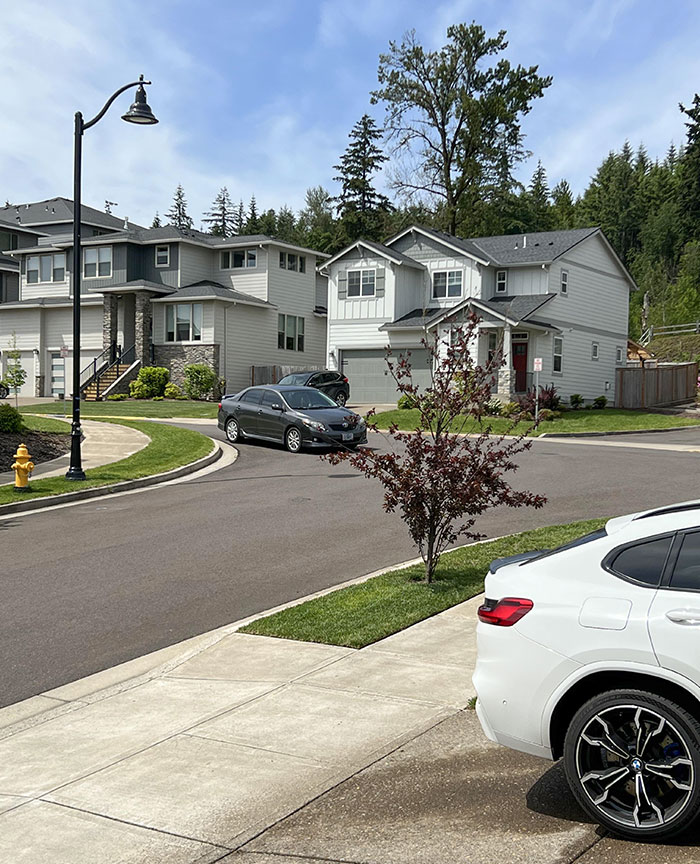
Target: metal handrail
[90,372]
[122,358]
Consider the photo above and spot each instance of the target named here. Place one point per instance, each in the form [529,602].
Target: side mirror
[277,407]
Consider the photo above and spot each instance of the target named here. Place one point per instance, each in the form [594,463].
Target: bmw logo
[345,425]
[636,765]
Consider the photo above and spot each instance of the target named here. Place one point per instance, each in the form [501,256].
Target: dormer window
[501,281]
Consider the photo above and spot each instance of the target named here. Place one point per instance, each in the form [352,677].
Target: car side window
[643,562]
[269,399]
[252,396]
[314,381]
[686,573]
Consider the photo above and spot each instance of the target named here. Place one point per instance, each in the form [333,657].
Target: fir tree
[689,173]
[267,223]
[564,208]
[239,219]
[221,217]
[286,225]
[156,221]
[252,225]
[177,215]
[540,216]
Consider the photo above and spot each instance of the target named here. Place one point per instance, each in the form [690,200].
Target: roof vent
[126,223]
[524,240]
[551,243]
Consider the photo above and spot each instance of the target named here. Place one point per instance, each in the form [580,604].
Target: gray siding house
[159,296]
[560,296]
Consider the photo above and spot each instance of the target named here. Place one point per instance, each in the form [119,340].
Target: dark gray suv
[293,416]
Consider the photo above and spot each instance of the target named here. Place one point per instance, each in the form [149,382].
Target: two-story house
[559,296]
[161,296]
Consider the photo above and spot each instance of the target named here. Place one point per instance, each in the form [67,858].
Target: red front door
[520,366]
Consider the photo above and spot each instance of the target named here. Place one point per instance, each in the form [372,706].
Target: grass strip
[361,614]
[605,420]
[35,423]
[130,408]
[170,447]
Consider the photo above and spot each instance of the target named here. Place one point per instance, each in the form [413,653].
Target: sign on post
[537,368]
[64,351]
[537,364]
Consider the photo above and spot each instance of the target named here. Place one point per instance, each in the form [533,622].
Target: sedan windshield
[307,399]
[295,378]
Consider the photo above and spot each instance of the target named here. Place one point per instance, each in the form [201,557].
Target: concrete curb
[617,432]
[123,486]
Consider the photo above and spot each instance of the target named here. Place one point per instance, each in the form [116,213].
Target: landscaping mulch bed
[42,447]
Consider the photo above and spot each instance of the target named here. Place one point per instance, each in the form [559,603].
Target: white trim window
[183,322]
[292,261]
[501,281]
[447,283]
[162,256]
[558,355]
[361,283]
[595,351]
[46,268]
[564,282]
[238,259]
[290,333]
[618,354]
[97,262]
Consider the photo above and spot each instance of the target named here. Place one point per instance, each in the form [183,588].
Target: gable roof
[209,289]
[53,210]
[460,245]
[540,247]
[381,250]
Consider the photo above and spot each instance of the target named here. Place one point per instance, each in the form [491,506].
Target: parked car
[334,384]
[591,652]
[4,391]
[293,416]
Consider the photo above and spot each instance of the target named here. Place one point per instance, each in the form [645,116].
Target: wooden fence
[272,374]
[664,384]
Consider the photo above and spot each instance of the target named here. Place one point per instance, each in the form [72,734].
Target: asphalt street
[90,586]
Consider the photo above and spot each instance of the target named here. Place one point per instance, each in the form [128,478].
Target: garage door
[370,380]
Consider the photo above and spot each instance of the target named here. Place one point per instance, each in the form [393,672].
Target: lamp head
[140,111]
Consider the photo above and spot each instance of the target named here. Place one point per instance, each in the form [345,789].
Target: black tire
[4,391]
[233,430]
[292,440]
[340,399]
[607,753]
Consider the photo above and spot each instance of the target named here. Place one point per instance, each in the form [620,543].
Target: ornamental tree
[15,374]
[451,468]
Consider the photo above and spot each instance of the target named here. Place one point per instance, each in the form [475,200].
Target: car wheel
[292,439]
[632,760]
[233,430]
[4,391]
[340,399]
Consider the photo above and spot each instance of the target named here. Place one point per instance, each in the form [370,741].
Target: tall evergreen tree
[177,215]
[689,173]
[538,201]
[564,207]
[221,216]
[315,225]
[239,219]
[156,221]
[252,225]
[286,225]
[360,205]
[267,223]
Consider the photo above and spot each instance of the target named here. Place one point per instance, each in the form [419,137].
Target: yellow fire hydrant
[23,467]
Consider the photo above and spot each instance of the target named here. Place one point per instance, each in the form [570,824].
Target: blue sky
[260,97]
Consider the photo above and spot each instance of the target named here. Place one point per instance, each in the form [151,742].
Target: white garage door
[370,379]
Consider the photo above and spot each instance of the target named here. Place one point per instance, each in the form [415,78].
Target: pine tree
[315,225]
[156,221]
[239,219]
[252,225]
[360,205]
[538,204]
[177,215]
[564,208]
[221,217]
[689,174]
[286,224]
[267,223]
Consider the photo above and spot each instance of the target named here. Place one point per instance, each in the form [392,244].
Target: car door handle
[689,617]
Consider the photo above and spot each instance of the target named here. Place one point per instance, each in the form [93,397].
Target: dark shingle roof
[56,210]
[519,307]
[387,252]
[8,263]
[415,318]
[540,247]
[205,288]
[468,246]
[137,285]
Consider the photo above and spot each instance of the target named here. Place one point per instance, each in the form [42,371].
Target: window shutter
[23,265]
[379,282]
[342,285]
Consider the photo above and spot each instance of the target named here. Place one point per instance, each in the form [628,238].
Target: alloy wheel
[293,440]
[232,430]
[340,399]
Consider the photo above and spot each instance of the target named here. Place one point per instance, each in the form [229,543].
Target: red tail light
[346,381]
[219,406]
[505,612]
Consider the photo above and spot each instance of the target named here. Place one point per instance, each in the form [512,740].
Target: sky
[260,97]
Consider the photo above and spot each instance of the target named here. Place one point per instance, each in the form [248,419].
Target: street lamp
[139,112]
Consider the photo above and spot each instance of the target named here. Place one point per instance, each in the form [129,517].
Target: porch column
[143,327]
[109,320]
[505,373]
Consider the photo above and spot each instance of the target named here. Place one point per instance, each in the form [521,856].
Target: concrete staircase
[93,392]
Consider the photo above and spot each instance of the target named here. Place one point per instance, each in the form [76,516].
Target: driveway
[86,587]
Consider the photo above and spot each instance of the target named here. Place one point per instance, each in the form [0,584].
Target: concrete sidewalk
[102,443]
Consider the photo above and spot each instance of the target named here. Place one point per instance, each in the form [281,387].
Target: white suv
[592,652]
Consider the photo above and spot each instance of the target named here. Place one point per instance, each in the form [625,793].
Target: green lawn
[606,420]
[130,408]
[36,423]
[364,613]
[170,448]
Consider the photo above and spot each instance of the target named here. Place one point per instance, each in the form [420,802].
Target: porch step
[105,380]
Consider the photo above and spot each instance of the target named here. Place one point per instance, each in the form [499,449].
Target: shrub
[548,399]
[546,414]
[154,379]
[510,409]
[138,390]
[576,400]
[199,380]
[406,402]
[10,420]
[157,398]
[116,397]
[600,401]
[494,407]
[172,391]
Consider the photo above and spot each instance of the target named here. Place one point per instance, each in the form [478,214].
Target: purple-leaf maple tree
[451,468]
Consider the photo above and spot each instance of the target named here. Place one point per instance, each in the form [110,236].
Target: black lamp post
[138,113]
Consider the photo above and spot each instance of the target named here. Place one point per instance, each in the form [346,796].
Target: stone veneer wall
[175,357]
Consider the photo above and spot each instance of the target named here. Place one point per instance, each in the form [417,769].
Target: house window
[564,282]
[239,258]
[447,284]
[8,241]
[501,281]
[183,322]
[283,260]
[557,354]
[361,283]
[618,354]
[520,337]
[162,256]
[302,263]
[291,262]
[97,262]
[46,268]
[290,333]
[595,350]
